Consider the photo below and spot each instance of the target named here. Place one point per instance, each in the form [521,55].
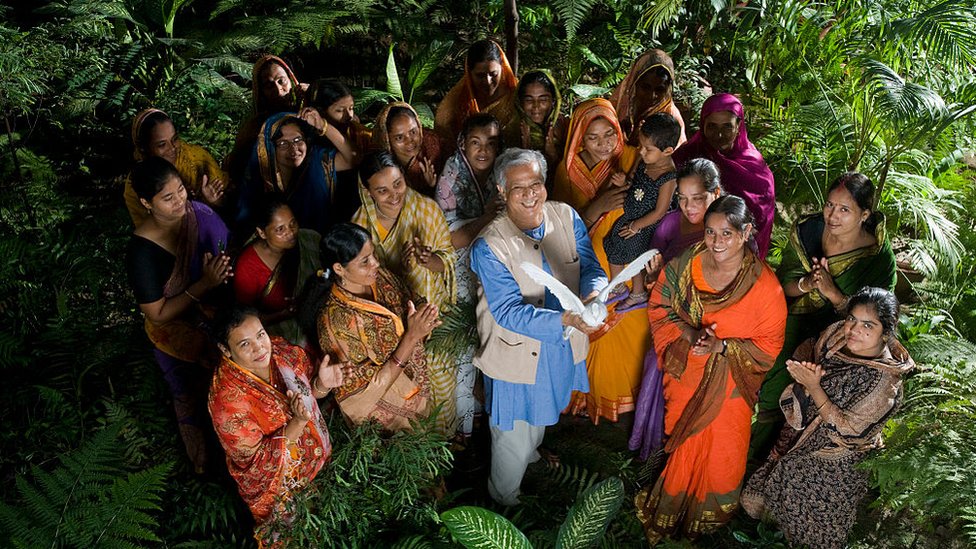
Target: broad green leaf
[392,78]
[425,63]
[477,528]
[586,91]
[590,515]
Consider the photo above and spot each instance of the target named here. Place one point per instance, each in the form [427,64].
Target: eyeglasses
[289,143]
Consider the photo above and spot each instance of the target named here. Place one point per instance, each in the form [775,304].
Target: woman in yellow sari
[413,241]
[595,153]
[488,86]
[153,134]
[647,89]
[369,320]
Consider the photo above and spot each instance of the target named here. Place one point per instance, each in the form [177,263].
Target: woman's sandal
[633,301]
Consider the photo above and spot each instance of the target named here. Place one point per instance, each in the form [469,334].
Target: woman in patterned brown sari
[369,320]
[848,383]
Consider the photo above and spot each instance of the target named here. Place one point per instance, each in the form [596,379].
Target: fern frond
[458,332]
[572,13]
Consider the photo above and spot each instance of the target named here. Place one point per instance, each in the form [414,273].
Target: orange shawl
[576,184]
[460,102]
[249,416]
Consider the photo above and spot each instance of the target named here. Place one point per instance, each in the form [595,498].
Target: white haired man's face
[525,195]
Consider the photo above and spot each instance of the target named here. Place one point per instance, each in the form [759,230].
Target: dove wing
[569,300]
[627,273]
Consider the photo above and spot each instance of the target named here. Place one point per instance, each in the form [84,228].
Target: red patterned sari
[250,415]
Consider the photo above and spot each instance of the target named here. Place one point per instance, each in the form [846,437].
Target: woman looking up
[369,320]
[717,313]
[175,263]
[291,159]
[154,134]
[647,89]
[272,270]
[848,384]
[418,153]
[488,86]
[832,254]
[264,409]
[413,241]
[723,139]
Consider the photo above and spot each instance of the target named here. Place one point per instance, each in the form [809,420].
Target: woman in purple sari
[723,139]
[698,187]
[175,261]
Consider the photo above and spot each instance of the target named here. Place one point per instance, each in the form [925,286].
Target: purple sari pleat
[648,433]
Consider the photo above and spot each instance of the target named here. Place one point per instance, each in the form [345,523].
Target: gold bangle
[799,285]
[315,386]
[191,296]
[397,361]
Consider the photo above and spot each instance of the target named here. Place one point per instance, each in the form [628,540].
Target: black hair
[341,244]
[536,77]
[375,162]
[270,203]
[862,190]
[307,130]
[885,305]
[146,128]
[735,210]
[482,50]
[398,111]
[151,175]
[706,170]
[662,129]
[479,120]
[323,93]
[227,319]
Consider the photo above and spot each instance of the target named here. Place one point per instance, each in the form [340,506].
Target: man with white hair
[530,369]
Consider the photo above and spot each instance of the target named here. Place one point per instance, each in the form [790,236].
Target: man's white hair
[518,157]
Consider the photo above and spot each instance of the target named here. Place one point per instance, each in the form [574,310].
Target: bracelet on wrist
[315,386]
[191,296]
[397,361]
[799,285]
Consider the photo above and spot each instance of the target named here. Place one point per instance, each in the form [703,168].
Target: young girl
[649,198]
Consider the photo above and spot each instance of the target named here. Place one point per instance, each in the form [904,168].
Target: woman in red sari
[718,315]
[264,409]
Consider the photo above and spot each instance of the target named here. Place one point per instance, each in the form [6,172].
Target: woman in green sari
[831,256]
[539,125]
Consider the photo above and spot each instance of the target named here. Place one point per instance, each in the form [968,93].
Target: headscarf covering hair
[137,123]
[259,66]
[623,96]
[381,135]
[585,180]
[744,171]
[460,101]
[537,132]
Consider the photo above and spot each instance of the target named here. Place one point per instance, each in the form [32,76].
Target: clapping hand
[706,342]
[332,375]
[805,373]
[297,406]
[212,190]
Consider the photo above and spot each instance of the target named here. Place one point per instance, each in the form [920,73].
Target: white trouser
[511,452]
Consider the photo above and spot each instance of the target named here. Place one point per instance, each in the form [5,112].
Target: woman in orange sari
[592,179]
[369,320]
[488,86]
[264,409]
[718,315]
[647,89]
[419,154]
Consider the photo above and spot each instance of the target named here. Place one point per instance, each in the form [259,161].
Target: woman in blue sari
[292,158]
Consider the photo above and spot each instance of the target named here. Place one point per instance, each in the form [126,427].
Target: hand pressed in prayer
[297,406]
[805,373]
[821,279]
[212,190]
[706,342]
[217,269]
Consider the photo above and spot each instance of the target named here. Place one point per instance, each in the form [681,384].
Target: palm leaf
[660,13]
[591,514]
[477,528]
[425,63]
[458,331]
[946,31]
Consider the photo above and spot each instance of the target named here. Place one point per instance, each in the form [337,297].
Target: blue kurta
[556,376]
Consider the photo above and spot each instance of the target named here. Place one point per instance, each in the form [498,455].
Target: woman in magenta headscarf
[722,138]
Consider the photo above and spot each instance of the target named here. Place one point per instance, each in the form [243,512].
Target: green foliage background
[885,87]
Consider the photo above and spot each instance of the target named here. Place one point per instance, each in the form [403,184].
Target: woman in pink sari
[723,139]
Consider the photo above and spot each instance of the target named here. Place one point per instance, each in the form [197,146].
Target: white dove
[594,312]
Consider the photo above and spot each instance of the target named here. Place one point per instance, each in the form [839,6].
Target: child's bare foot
[633,301]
